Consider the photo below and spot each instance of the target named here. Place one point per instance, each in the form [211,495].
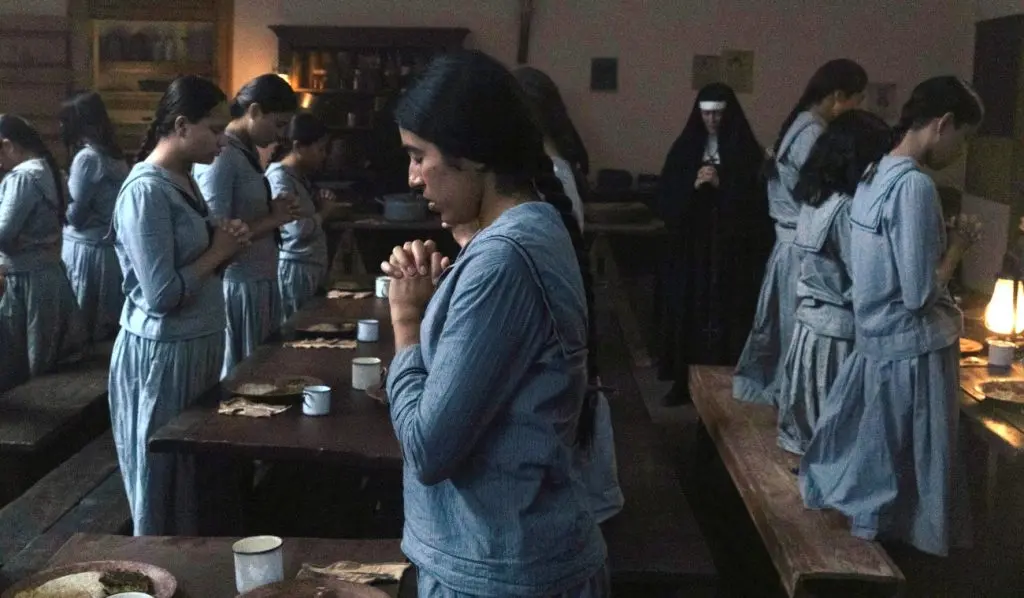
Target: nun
[715,208]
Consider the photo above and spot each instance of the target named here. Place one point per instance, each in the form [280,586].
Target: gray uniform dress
[823,334]
[758,373]
[884,452]
[88,253]
[40,323]
[171,345]
[302,261]
[234,187]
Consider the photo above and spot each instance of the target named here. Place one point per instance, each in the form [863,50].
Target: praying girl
[823,334]
[302,261]
[488,383]
[884,452]
[234,188]
[171,345]
[836,87]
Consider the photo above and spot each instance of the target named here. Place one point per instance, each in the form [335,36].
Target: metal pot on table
[403,207]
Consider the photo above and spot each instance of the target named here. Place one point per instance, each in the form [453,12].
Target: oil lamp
[1004,315]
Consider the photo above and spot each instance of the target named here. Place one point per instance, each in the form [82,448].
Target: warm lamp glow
[999,316]
[287,78]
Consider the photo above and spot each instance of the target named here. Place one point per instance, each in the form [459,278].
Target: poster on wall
[880,98]
[738,70]
[706,70]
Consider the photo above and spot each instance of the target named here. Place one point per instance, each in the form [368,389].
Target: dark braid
[149,141]
[554,193]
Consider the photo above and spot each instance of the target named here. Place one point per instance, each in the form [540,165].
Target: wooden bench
[655,547]
[813,551]
[49,418]
[85,494]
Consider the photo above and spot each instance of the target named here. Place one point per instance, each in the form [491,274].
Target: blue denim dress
[486,408]
[884,453]
[758,373]
[171,345]
[94,180]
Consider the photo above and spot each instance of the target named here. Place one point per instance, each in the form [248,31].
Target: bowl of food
[96,579]
[327,330]
[286,390]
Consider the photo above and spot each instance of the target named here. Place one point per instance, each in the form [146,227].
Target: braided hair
[470,106]
[189,96]
[21,132]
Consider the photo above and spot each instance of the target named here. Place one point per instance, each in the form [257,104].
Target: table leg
[991,485]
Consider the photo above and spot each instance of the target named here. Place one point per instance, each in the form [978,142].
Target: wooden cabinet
[135,48]
[350,77]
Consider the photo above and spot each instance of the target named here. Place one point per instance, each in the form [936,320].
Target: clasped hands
[414,269]
[285,208]
[707,174]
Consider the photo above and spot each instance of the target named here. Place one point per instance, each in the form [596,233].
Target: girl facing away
[884,452]
[823,332]
[836,87]
[97,172]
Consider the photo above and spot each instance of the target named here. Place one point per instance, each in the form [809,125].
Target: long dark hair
[189,96]
[271,92]
[84,119]
[21,132]
[470,106]
[552,116]
[851,143]
[842,75]
[936,97]
[304,129]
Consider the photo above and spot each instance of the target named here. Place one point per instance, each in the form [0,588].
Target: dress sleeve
[915,232]
[19,197]
[300,229]
[217,183]
[85,172]
[495,327]
[146,231]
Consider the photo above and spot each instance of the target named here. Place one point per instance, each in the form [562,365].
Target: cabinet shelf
[158,67]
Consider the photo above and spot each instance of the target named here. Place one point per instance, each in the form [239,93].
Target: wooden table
[357,432]
[364,240]
[204,567]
